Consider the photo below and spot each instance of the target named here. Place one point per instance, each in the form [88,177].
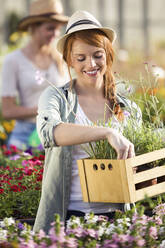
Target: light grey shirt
[55,107]
[19,79]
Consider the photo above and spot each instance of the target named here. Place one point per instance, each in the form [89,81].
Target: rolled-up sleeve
[49,116]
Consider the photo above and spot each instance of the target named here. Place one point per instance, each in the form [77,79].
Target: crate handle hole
[102,166]
[110,167]
[95,167]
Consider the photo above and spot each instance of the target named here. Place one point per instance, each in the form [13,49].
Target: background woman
[20,89]
[66,118]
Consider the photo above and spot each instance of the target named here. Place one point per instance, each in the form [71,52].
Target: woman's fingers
[123,154]
[127,152]
[123,147]
[131,151]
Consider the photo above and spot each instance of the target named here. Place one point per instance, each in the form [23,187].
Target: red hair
[99,39]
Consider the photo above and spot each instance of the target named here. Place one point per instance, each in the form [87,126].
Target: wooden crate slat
[146,158]
[128,184]
[149,174]
[150,191]
[83,180]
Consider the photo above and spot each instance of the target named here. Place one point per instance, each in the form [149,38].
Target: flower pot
[104,180]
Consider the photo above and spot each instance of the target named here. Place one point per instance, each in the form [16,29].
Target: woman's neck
[89,90]
[33,48]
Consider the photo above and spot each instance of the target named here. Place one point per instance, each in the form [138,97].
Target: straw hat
[43,11]
[83,20]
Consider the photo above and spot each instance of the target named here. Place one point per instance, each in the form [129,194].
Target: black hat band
[85,21]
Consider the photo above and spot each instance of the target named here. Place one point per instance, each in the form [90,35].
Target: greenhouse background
[139,23]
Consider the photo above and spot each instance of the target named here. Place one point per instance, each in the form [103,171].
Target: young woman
[20,89]
[66,116]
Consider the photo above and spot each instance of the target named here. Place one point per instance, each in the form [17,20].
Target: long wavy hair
[99,39]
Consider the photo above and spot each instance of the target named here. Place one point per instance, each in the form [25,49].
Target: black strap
[84,21]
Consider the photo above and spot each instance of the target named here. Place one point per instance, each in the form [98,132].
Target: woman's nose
[91,61]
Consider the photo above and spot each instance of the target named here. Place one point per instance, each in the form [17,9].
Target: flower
[39,78]
[153,232]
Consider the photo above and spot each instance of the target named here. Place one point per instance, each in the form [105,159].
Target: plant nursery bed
[117,181]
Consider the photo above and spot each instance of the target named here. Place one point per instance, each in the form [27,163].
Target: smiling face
[89,62]
[45,33]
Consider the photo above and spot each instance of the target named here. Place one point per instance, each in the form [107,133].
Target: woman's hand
[123,147]
[10,110]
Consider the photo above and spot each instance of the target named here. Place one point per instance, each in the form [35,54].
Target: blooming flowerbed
[20,182]
[131,230]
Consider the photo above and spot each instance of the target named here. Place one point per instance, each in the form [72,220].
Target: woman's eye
[81,59]
[99,56]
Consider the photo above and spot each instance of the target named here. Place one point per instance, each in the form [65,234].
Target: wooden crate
[104,180]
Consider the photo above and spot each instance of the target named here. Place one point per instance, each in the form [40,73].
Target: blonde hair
[99,39]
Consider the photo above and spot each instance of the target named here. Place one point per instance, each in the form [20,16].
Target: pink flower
[140,242]
[91,233]
[153,232]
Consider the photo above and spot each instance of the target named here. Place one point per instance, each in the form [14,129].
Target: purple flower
[20,226]
[91,232]
[78,231]
[159,210]
[71,242]
[15,157]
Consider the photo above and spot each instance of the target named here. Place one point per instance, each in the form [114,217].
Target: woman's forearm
[10,110]
[19,113]
[66,134]
[72,134]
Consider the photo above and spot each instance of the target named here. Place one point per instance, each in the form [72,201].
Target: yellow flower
[14,37]
[3,136]
[8,126]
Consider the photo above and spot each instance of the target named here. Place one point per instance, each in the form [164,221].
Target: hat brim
[110,33]
[25,22]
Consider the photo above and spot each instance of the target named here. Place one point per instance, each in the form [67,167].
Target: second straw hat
[83,20]
[43,11]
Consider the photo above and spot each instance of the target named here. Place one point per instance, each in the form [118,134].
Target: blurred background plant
[20,182]
[5,129]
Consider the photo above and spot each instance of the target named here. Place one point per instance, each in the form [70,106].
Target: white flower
[110,229]
[120,221]
[91,219]
[161,230]
[2,224]
[162,245]
[3,234]
[27,232]
[158,72]
[101,231]
[75,220]
[9,221]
